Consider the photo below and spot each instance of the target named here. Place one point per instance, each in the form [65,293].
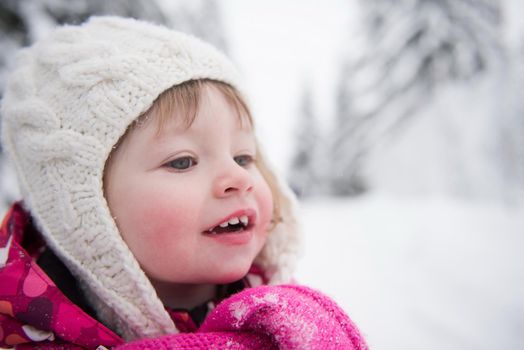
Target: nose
[232,180]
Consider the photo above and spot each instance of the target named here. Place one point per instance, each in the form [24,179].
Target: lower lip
[233,238]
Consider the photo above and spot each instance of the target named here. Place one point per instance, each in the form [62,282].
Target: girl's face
[172,191]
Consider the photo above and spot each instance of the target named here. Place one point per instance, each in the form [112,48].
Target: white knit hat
[68,100]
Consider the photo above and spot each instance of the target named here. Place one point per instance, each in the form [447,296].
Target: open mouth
[234,224]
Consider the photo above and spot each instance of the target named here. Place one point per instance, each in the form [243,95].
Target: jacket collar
[32,308]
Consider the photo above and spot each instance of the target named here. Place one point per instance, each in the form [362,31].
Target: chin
[226,275]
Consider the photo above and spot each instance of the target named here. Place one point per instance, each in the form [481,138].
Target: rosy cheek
[265,200]
[162,219]
[143,220]
[155,235]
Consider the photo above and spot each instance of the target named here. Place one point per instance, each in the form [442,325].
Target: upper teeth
[235,220]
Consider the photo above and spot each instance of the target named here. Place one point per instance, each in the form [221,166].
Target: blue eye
[244,160]
[182,163]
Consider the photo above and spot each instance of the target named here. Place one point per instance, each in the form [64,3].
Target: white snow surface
[420,273]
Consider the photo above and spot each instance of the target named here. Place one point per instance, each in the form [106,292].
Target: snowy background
[400,123]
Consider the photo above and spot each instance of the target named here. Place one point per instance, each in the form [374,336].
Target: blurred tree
[347,144]
[412,49]
[201,18]
[307,165]
[509,153]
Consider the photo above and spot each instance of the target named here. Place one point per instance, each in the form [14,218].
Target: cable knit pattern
[287,317]
[68,101]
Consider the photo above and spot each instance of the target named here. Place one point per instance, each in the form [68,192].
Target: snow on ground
[420,273]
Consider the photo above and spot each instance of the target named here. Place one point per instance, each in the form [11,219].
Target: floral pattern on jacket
[33,311]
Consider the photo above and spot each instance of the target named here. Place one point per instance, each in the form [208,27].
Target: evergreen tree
[509,155]
[417,46]
[307,162]
[346,144]
[413,49]
[201,18]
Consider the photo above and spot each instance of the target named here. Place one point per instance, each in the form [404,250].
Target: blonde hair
[185,100]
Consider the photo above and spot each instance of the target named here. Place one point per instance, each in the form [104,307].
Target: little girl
[148,211]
